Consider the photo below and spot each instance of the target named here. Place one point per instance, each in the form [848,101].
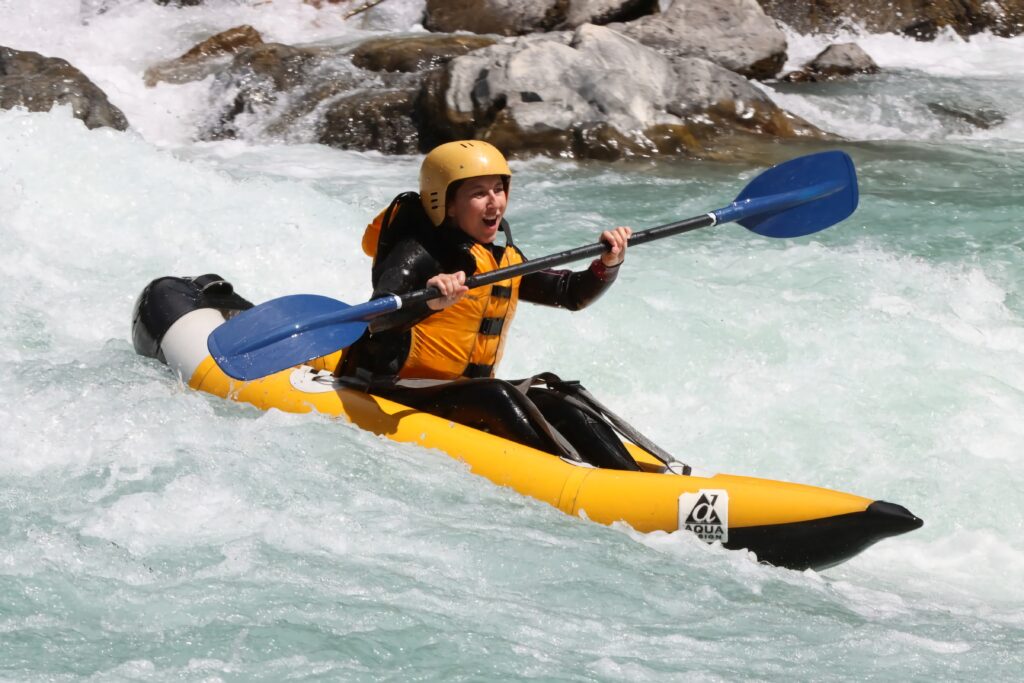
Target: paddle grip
[564,257]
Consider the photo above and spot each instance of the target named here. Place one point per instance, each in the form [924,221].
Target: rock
[835,61]
[205,58]
[520,17]
[588,93]
[978,118]
[414,53]
[922,20]
[504,17]
[257,76]
[602,12]
[843,59]
[598,94]
[735,34]
[386,16]
[30,80]
[383,120]
[361,98]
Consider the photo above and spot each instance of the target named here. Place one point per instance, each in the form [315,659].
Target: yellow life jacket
[371,236]
[467,339]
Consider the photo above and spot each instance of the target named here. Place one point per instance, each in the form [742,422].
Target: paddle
[795,198]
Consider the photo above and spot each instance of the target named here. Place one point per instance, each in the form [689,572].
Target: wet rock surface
[415,53]
[588,93]
[599,94]
[30,80]
[923,20]
[520,17]
[735,34]
[658,84]
[204,59]
[835,61]
[974,117]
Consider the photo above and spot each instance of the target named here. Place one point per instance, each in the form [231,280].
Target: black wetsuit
[491,405]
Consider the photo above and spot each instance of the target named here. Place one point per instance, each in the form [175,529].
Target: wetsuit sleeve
[407,268]
[566,289]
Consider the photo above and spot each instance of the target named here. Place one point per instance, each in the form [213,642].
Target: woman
[439,238]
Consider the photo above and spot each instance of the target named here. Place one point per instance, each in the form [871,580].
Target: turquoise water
[152,533]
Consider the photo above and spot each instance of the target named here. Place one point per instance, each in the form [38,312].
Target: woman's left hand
[619,240]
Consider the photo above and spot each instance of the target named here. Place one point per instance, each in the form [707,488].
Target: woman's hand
[619,240]
[451,285]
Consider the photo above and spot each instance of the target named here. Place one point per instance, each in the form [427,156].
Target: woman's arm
[409,267]
[566,289]
[406,268]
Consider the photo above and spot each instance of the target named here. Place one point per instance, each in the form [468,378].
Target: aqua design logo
[310,381]
[705,513]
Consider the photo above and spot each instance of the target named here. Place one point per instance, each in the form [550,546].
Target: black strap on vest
[501,292]
[491,327]
[475,370]
[507,229]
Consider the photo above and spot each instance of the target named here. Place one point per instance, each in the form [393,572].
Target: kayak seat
[540,418]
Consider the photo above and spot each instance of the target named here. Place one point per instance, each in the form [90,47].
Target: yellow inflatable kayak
[785,524]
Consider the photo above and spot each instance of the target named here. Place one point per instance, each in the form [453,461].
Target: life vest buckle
[491,326]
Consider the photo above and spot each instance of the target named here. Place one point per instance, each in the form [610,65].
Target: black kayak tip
[891,519]
[822,543]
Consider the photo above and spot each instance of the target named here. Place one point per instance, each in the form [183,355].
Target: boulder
[588,93]
[735,34]
[596,93]
[352,98]
[603,12]
[414,53]
[30,80]
[383,120]
[503,17]
[836,61]
[973,117]
[205,58]
[922,20]
[254,81]
[520,17]
[843,59]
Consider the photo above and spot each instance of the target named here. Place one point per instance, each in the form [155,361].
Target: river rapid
[151,533]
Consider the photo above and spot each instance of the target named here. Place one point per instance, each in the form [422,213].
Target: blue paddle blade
[281,333]
[797,197]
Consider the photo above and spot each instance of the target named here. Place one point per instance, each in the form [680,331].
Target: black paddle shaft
[567,256]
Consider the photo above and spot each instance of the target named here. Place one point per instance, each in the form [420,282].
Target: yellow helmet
[454,161]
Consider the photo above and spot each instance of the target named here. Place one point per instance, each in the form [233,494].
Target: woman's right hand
[452,287]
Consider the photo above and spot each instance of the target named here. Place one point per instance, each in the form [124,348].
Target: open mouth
[491,222]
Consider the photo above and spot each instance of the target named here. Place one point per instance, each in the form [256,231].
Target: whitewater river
[150,533]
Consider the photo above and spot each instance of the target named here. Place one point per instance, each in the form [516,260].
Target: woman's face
[478,206]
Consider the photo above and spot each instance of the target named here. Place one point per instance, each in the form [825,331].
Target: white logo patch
[705,513]
[310,381]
